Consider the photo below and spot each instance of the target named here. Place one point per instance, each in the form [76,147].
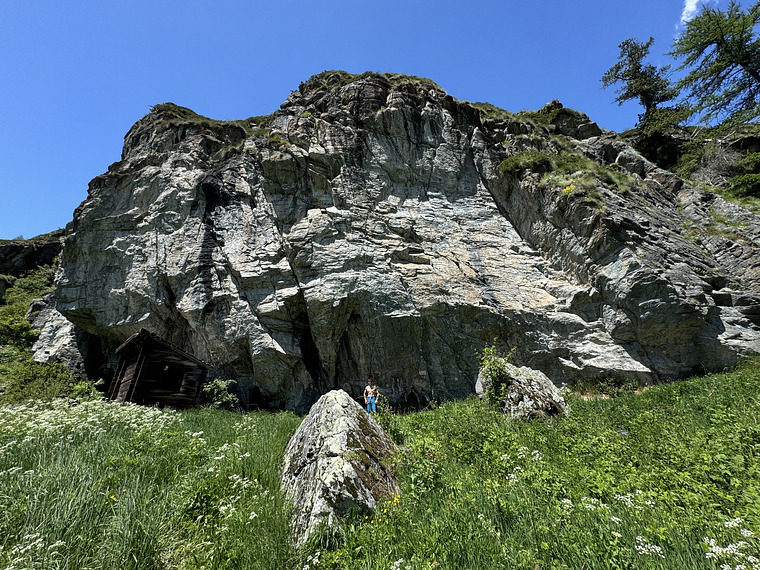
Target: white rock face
[332,464]
[365,229]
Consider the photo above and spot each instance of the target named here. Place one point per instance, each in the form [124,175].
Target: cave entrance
[153,371]
[256,400]
[412,402]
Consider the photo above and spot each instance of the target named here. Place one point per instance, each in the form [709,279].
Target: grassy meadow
[669,478]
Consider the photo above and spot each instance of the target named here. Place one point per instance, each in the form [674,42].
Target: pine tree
[721,51]
[645,82]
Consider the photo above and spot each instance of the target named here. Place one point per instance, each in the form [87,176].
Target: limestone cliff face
[365,228]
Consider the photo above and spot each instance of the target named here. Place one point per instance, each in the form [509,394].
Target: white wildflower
[645,548]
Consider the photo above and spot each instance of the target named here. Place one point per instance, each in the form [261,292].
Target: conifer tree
[721,51]
[645,82]
[651,86]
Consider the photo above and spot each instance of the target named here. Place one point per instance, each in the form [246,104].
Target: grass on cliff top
[333,80]
[666,479]
[174,115]
[41,239]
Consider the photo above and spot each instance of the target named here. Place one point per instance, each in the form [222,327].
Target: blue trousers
[372,404]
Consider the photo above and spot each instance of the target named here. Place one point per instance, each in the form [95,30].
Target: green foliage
[533,160]
[493,368]
[547,114]
[612,386]
[747,185]
[734,176]
[15,330]
[23,379]
[20,376]
[651,87]
[32,285]
[170,115]
[489,111]
[645,82]
[217,395]
[570,171]
[634,482]
[656,128]
[721,52]
[102,485]
[649,481]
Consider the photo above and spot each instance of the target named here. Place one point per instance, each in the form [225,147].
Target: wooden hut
[153,371]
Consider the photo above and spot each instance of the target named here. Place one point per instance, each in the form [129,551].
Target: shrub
[494,370]
[518,163]
[32,285]
[747,182]
[15,330]
[746,185]
[217,395]
[612,386]
[23,379]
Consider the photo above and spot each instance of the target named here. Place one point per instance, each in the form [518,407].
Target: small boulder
[522,392]
[333,463]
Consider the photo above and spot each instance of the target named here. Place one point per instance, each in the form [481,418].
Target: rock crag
[18,256]
[333,464]
[375,225]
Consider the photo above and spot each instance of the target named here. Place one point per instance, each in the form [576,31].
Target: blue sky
[76,75]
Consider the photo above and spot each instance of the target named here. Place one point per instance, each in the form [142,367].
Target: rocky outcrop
[371,227]
[334,463]
[61,341]
[19,256]
[522,392]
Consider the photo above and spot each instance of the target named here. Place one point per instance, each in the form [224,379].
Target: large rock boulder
[334,463]
[521,392]
[366,228]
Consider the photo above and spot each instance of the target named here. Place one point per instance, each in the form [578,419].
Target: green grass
[672,466]
[638,481]
[750,203]
[97,485]
[570,172]
[489,111]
